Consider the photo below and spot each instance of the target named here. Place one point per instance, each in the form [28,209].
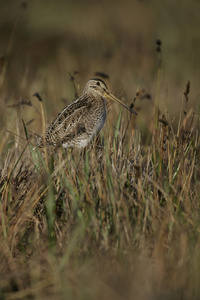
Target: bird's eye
[98,83]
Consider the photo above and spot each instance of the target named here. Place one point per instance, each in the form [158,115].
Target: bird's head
[97,87]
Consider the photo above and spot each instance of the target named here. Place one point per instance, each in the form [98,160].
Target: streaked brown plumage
[79,121]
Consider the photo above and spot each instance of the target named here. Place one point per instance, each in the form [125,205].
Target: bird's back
[77,123]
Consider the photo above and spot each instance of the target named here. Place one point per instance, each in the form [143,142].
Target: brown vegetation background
[42,41]
[146,245]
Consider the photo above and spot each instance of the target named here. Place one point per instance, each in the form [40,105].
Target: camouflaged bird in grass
[78,122]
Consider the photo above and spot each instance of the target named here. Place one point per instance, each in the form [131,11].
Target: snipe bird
[78,122]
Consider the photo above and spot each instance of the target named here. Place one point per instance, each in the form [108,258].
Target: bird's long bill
[109,95]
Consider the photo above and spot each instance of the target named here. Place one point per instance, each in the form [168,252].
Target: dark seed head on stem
[37,95]
[158,42]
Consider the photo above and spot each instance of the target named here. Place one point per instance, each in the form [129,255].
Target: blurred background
[41,42]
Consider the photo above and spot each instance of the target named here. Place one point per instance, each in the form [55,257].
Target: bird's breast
[101,117]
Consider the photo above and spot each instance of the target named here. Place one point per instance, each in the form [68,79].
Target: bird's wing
[68,111]
[70,121]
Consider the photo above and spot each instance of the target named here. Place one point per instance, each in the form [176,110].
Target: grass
[104,222]
[121,218]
